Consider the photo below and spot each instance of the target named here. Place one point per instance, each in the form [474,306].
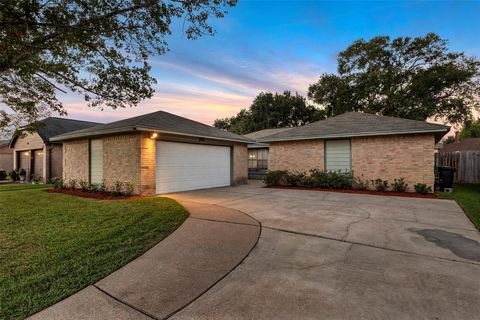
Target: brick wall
[240,163]
[121,160]
[296,155]
[147,164]
[56,161]
[390,157]
[6,159]
[75,160]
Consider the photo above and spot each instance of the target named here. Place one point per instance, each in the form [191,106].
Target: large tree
[99,49]
[272,110]
[415,78]
[471,130]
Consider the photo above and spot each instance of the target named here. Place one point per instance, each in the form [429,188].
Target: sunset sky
[276,46]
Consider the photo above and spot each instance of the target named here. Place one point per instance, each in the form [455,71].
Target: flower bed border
[367,192]
[94,195]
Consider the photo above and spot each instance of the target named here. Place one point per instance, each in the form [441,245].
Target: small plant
[399,185]
[276,178]
[380,185]
[13,175]
[93,187]
[36,179]
[3,175]
[22,174]
[296,179]
[58,183]
[83,185]
[422,188]
[117,188]
[129,188]
[102,187]
[359,184]
[72,183]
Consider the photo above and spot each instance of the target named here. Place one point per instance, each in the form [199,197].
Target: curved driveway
[325,255]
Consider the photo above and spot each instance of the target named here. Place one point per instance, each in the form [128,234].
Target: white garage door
[185,166]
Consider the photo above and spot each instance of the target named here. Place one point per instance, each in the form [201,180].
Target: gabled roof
[467,144]
[265,133]
[4,143]
[161,122]
[53,126]
[355,124]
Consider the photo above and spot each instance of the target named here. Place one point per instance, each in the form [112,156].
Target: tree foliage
[271,110]
[415,78]
[471,130]
[99,49]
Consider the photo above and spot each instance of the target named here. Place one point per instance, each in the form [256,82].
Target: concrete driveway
[325,255]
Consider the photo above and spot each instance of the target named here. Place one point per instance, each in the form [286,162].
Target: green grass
[52,245]
[468,197]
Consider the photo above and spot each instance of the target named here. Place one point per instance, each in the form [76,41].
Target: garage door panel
[183,166]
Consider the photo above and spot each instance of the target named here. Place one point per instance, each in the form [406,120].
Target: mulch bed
[93,195]
[371,192]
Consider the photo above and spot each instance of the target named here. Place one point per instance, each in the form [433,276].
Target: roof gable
[353,124]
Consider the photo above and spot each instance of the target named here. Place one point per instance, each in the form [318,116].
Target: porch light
[154,135]
[27,153]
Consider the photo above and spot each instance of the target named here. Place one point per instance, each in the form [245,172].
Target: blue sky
[280,45]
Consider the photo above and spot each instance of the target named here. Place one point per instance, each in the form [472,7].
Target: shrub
[296,179]
[330,179]
[58,183]
[399,185]
[102,187]
[117,188]
[275,178]
[380,185]
[93,187]
[22,172]
[13,175]
[359,184]
[83,185]
[422,188]
[36,179]
[129,188]
[72,183]
[3,175]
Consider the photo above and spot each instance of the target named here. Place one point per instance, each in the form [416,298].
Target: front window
[258,158]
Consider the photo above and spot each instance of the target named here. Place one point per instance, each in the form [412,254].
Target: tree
[415,78]
[99,49]
[471,130]
[270,110]
[449,140]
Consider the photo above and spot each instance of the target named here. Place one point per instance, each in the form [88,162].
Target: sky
[276,46]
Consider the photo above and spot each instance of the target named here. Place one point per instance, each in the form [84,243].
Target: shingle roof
[265,133]
[4,143]
[352,124]
[467,144]
[160,121]
[53,126]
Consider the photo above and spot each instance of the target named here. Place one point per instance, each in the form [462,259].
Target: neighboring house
[6,157]
[369,145]
[258,152]
[158,152]
[37,154]
[467,144]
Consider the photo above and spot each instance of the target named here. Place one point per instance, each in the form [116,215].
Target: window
[337,155]
[258,158]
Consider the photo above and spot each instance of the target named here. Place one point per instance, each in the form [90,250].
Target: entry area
[187,166]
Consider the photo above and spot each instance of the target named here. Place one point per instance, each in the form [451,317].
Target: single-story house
[157,152]
[258,152]
[467,144]
[6,157]
[37,154]
[371,146]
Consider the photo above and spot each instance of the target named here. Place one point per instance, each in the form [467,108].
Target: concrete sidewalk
[205,248]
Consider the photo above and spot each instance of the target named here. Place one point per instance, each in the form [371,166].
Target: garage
[187,166]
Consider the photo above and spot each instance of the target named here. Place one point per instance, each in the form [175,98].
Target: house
[36,153]
[258,152]
[6,157]
[157,152]
[371,146]
[467,144]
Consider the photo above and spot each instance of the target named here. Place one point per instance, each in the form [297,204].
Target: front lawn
[468,197]
[52,245]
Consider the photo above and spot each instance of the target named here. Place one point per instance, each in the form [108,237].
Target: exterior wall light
[154,135]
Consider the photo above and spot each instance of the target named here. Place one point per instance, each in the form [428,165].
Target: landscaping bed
[53,244]
[370,192]
[94,195]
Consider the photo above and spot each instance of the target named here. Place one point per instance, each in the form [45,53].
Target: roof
[467,144]
[161,122]
[265,133]
[4,143]
[354,124]
[53,126]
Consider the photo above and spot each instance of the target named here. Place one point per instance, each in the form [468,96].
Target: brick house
[36,153]
[369,145]
[157,152]
[6,157]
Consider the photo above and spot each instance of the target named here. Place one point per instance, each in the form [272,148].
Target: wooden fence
[467,164]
